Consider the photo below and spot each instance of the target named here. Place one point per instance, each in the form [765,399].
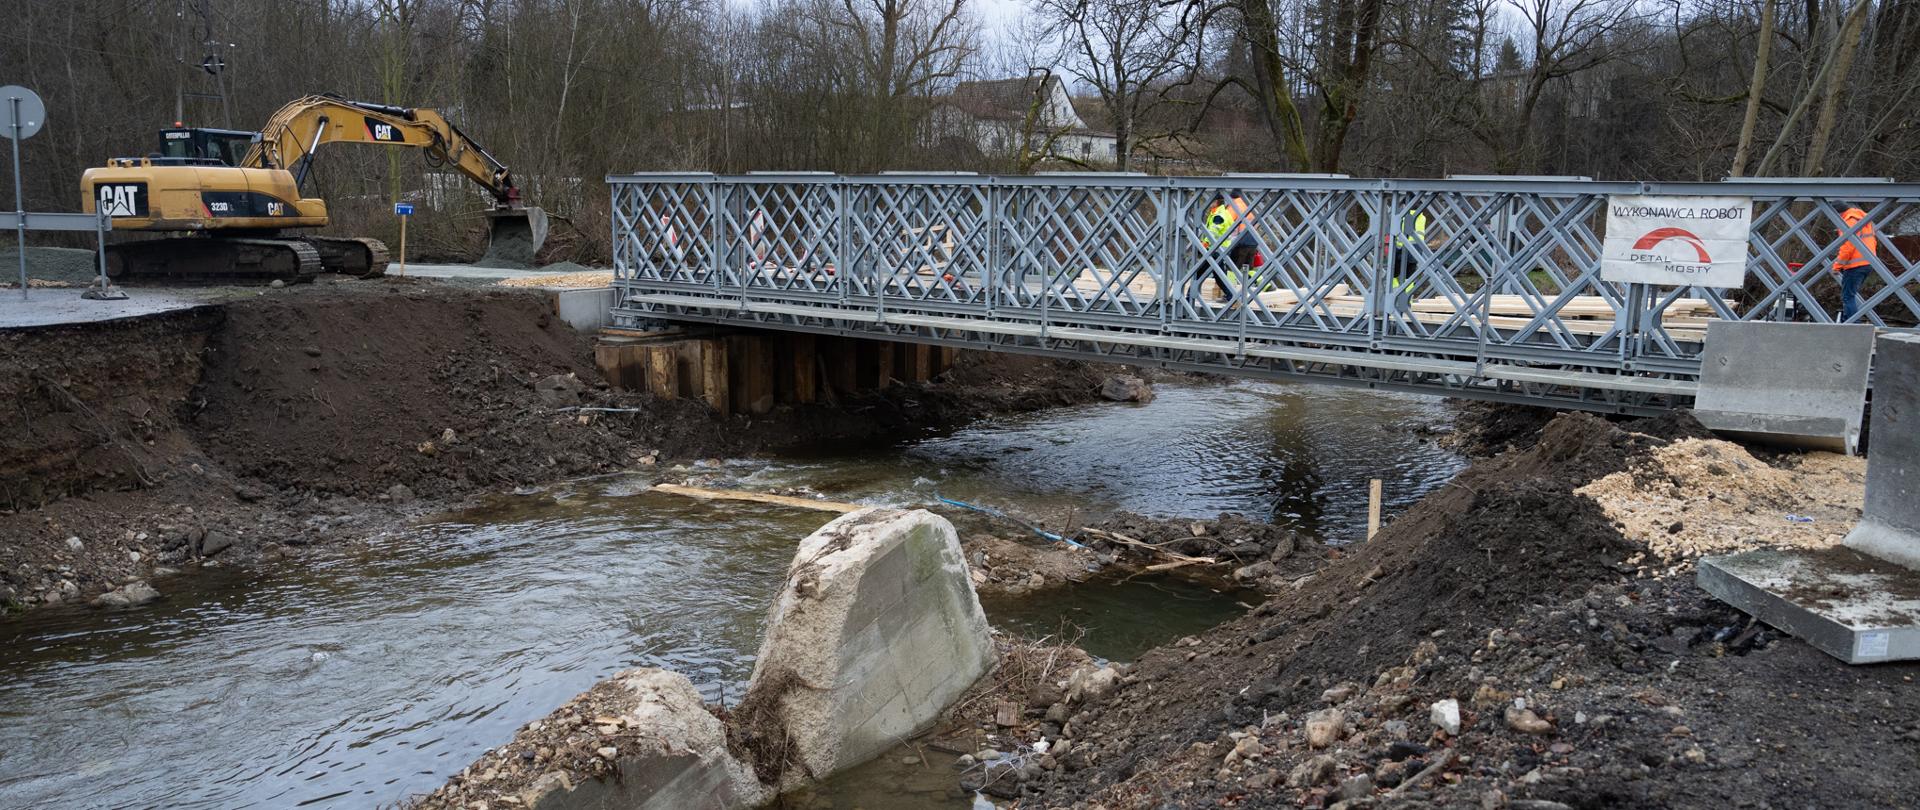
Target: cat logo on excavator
[123,199]
[386,133]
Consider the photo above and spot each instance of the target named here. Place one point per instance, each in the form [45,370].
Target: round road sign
[32,112]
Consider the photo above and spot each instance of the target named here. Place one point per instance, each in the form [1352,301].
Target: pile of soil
[1483,429]
[1707,496]
[320,413]
[1586,672]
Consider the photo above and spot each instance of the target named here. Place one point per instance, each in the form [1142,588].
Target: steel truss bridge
[1503,302]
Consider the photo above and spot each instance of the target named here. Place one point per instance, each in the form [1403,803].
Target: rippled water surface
[355,678]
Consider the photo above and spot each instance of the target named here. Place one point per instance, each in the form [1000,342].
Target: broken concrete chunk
[876,632]
[215,542]
[1325,726]
[1088,684]
[677,758]
[1445,714]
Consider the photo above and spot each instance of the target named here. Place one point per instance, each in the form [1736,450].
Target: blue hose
[992,512]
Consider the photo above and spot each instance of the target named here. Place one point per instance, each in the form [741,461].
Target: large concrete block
[671,754]
[1860,602]
[1859,609]
[1799,384]
[877,630]
[1890,526]
[587,310]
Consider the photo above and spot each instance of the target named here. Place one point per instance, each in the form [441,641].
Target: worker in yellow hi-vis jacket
[1234,250]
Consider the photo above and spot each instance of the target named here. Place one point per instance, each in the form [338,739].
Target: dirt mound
[320,413]
[1508,533]
[1579,677]
[1482,429]
[1504,534]
[1705,496]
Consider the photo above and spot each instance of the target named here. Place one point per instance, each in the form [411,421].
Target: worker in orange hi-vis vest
[1854,260]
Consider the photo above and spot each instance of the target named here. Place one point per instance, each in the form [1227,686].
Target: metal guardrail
[99,223]
[1504,300]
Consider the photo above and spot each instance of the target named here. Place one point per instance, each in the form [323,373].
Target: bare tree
[1134,54]
[1756,90]
[1565,38]
[1824,83]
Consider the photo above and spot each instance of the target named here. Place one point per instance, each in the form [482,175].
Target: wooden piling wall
[753,371]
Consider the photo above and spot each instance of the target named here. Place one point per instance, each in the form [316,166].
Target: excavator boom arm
[298,129]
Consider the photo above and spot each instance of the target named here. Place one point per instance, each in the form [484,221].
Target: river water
[354,677]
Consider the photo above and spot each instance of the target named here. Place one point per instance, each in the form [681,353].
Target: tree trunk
[1849,45]
[1276,99]
[1755,90]
[1342,97]
[1814,87]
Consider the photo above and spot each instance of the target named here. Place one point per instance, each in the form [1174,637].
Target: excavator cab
[193,146]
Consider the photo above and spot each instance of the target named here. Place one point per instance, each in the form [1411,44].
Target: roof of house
[999,99]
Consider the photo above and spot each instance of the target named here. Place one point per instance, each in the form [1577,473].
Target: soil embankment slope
[1538,593]
[311,414]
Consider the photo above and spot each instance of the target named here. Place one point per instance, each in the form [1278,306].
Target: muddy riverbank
[281,418]
[1528,635]
[375,662]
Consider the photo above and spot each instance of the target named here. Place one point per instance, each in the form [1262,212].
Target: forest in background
[567,91]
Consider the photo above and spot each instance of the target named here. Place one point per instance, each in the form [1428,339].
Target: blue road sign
[403,209]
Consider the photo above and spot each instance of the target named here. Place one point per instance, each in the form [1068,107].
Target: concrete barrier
[1800,384]
[587,310]
[1890,525]
[1861,602]
[877,630]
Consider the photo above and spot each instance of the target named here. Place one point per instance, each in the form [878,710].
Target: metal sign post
[405,212]
[102,289]
[25,113]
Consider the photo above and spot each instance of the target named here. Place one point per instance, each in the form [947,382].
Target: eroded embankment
[1547,592]
[321,413]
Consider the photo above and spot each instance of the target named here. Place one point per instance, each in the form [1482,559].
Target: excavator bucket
[516,236]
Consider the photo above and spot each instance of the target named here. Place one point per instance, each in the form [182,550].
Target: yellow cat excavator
[228,196]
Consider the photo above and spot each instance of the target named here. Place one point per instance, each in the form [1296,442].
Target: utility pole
[180,66]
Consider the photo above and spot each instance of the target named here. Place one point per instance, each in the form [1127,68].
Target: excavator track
[351,255]
[205,258]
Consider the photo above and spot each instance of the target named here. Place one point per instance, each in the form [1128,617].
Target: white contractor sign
[1677,241]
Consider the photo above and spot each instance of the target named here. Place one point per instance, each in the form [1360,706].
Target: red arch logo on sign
[1653,238]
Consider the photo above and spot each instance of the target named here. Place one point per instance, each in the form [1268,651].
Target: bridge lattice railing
[1509,270]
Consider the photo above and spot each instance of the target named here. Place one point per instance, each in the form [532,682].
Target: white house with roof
[999,116]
